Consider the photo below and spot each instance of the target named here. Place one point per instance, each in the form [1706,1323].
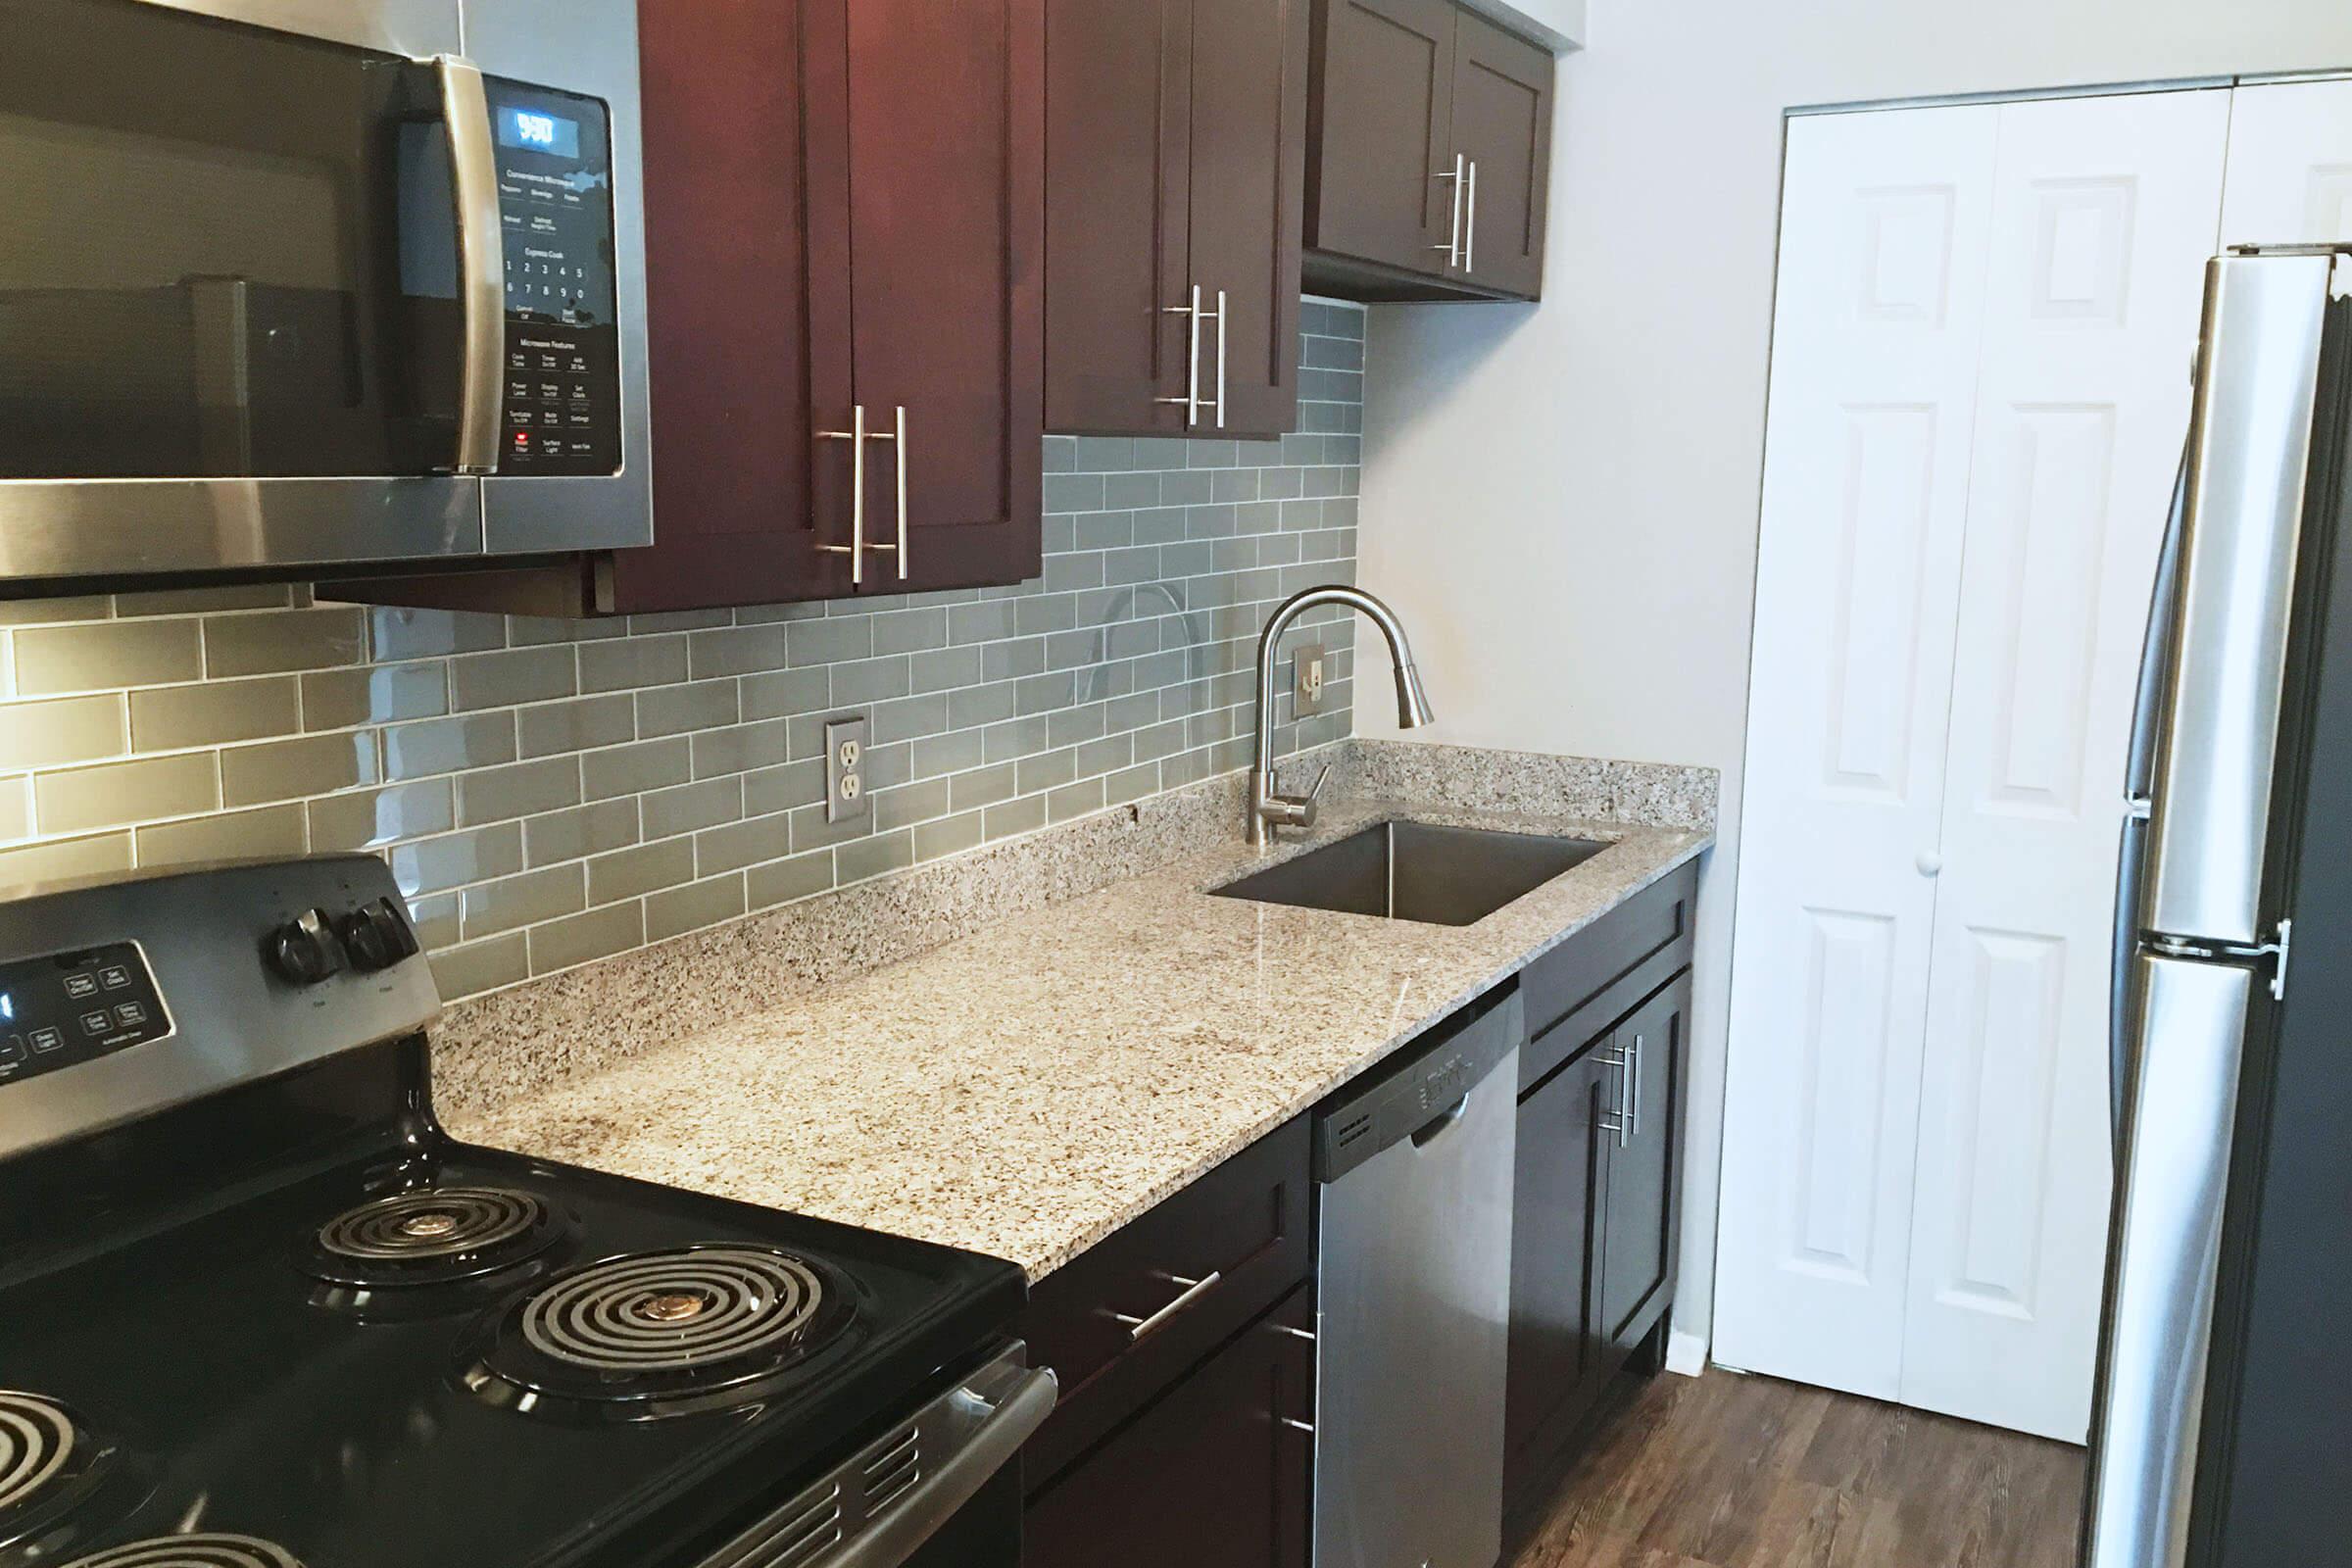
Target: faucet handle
[1298,811]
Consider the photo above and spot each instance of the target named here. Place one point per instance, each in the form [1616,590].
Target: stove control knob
[305,951]
[376,935]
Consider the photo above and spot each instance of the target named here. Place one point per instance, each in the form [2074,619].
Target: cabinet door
[1502,128]
[1559,1192]
[1249,167]
[1638,1266]
[1208,1475]
[926,204]
[1384,137]
[727,270]
[1118,184]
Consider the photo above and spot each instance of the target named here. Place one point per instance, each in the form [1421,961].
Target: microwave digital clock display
[533,130]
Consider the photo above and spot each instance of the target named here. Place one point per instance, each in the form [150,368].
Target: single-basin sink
[1416,871]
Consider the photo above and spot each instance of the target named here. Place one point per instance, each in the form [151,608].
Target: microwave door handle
[481,261]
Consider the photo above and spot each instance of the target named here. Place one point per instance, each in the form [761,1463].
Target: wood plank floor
[1745,1472]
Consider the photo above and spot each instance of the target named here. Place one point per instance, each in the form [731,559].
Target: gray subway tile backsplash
[553,792]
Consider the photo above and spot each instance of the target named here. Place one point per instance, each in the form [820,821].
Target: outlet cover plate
[845,770]
[1310,667]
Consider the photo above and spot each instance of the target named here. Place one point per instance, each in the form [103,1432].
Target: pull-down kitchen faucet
[1269,807]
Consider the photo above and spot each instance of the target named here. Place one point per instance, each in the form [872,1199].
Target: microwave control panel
[562,370]
[74,1008]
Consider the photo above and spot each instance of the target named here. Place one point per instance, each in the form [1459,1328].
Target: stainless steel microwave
[292,283]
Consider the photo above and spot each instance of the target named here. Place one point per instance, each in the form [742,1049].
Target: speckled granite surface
[1050,1074]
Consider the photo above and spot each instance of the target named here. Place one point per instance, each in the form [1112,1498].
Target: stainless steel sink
[1416,871]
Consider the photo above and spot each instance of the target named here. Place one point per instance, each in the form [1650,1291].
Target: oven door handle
[894,1536]
[481,261]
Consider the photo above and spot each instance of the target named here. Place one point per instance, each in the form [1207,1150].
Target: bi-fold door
[1980,388]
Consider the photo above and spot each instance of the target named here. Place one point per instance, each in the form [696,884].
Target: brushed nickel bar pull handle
[1190,402]
[904,564]
[1470,225]
[1222,318]
[1140,1328]
[481,261]
[1454,241]
[1297,1425]
[1640,1043]
[898,435]
[1619,1121]
[856,436]
[1629,1104]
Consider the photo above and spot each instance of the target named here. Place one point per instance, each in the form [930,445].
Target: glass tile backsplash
[554,792]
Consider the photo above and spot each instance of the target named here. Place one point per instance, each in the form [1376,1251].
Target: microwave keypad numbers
[554,188]
[71,1007]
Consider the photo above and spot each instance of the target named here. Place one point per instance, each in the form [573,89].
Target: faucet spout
[1269,808]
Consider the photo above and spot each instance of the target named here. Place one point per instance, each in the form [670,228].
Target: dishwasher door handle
[1430,1131]
[1140,1328]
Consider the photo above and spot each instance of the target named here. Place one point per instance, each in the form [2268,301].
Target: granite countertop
[1028,1088]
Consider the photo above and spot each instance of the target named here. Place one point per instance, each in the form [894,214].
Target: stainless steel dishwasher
[1413,1201]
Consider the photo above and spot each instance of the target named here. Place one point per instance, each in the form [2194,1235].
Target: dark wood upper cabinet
[1382,175]
[1429,154]
[1176,147]
[845,212]
[727,270]
[1503,130]
[1118,195]
[930,252]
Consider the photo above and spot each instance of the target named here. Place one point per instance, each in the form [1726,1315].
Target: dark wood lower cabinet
[1558,1206]
[1208,1474]
[1596,1228]
[1642,1223]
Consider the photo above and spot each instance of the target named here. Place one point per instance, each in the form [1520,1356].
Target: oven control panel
[562,369]
[73,1007]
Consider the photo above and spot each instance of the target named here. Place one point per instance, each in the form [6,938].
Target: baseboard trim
[1686,1353]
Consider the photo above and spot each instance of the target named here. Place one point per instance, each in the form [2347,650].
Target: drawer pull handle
[1139,1328]
[1297,1425]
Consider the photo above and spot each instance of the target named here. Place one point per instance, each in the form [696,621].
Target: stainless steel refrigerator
[2234,986]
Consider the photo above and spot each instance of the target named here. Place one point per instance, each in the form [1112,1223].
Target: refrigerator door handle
[2140,776]
[2163,1260]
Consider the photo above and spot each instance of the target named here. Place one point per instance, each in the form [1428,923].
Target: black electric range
[258,1312]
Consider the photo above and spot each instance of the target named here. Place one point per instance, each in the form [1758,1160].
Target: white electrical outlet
[845,770]
[1307,670]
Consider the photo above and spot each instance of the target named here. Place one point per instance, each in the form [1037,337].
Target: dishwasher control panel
[1414,1095]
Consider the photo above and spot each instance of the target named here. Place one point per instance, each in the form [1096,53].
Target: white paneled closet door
[1883,240]
[2291,165]
[2104,212]
[1980,391]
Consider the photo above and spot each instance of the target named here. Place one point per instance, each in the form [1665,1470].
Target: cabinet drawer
[1586,983]
[1121,1324]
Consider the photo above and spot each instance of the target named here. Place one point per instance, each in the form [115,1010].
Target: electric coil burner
[270,1316]
[661,1334]
[433,1236]
[193,1551]
[39,1445]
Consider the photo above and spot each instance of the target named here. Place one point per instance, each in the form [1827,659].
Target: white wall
[1561,499]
